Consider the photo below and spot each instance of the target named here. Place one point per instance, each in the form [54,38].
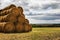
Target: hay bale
[27,27]
[22,15]
[15,11]
[2,25]
[3,18]
[6,10]
[19,27]
[26,21]
[9,7]
[30,27]
[21,10]
[11,18]
[9,27]
[21,19]
[8,18]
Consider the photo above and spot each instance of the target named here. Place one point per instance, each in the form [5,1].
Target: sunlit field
[35,34]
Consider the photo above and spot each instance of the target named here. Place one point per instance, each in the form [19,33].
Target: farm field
[35,34]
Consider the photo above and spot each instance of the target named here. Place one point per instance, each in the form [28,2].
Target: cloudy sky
[37,11]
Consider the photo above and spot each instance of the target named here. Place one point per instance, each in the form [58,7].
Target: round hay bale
[8,18]
[2,25]
[26,21]
[27,27]
[15,11]
[22,15]
[19,27]
[21,19]
[21,10]
[30,28]
[6,10]
[3,18]
[9,28]
[11,18]
[8,7]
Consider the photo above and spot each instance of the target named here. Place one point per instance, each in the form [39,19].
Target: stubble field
[35,34]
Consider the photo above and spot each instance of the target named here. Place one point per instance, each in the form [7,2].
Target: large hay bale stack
[12,20]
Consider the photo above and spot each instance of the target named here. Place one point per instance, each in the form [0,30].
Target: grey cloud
[52,6]
[45,6]
[55,14]
[36,7]
[46,17]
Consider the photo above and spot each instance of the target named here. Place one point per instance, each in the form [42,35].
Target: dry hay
[57,38]
[6,10]
[19,27]
[22,15]
[30,27]
[21,10]
[9,7]
[26,21]
[3,18]
[15,11]
[21,19]
[2,25]
[27,27]
[11,18]
[8,18]
[9,27]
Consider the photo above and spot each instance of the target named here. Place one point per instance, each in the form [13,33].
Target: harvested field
[35,34]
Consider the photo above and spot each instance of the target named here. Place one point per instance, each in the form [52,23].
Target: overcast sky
[37,11]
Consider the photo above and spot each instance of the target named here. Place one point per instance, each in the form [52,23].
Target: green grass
[35,34]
